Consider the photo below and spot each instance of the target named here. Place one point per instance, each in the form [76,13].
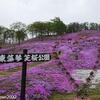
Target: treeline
[19,31]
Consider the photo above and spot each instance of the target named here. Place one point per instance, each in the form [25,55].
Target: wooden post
[23,80]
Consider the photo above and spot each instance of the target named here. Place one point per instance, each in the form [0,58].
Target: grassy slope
[57,96]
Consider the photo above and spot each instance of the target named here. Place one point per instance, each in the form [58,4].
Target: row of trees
[15,34]
[19,31]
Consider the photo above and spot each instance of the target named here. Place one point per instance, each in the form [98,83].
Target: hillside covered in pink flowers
[79,50]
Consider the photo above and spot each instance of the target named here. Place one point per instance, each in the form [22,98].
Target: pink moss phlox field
[78,51]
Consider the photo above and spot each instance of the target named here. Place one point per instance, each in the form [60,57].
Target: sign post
[24,58]
[23,80]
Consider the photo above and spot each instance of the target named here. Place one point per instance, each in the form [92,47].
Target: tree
[3,34]
[20,31]
[73,27]
[11,36]
[37,28]
[94,26]
[40,29]
[99,27]
[58,26]
[84,26]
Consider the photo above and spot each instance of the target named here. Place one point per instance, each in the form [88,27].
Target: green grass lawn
[58,96]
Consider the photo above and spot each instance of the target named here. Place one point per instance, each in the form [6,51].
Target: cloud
[29,11]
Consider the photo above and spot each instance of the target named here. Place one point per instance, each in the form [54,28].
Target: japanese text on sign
[7,58]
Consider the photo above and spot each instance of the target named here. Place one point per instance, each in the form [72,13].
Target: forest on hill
[18,32]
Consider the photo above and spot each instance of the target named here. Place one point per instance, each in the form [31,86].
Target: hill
[79,50]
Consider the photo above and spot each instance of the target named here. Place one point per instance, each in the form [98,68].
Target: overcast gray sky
[28,11]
